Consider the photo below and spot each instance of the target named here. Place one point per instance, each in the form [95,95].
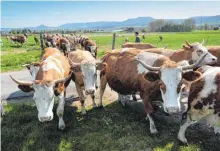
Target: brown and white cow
[138,45]
[215,50]
[84,67]
[150,74]
[203,101]
[190,52]
[51,74]
[64,45]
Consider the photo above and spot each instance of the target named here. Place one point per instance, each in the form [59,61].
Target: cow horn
[187,43]
[148,66]
[73,63]
[63,79]
[202,42]
[33,63]
[25,65]
[196,64]
[27,83]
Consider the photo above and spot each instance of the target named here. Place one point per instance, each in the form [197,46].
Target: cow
[138,45]
[87,44]
[19,38]
[215,50]
[149,74]
[64,45]
[51,40]
[84,67]
[52,73]
[203,101]
[36,40]
[190,52]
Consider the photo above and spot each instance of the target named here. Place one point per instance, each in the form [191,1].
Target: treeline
[161,25]
[28,31]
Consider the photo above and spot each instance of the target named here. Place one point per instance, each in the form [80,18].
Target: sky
[55,13]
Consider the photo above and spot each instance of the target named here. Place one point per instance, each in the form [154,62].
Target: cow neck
[181,54]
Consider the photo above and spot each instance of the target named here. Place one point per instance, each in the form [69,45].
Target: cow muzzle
[172,110]
[45,119]
[90,91]
[214,60]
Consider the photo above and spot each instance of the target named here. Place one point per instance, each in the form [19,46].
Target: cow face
[93,50]
[44,99]
[170,85]
[43,95]
[170,76]
[198,50]
[89,74]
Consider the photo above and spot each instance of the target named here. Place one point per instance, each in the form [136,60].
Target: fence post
[41,41]
[113,41]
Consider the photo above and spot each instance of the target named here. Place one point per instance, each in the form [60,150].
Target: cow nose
[172,110]
[214,59]
[90,91]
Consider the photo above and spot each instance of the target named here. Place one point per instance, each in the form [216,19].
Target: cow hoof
[155,135]
[181,143]
[94,106]
[85,117]
[100,107]
[167,114]
[62,127]
[154,132]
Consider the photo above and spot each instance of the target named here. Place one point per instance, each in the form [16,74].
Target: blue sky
[29,14]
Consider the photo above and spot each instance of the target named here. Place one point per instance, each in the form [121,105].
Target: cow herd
[153,73]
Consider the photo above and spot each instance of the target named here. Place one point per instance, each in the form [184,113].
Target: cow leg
[103,82]
[93,100]
[60,110]
[217,130]
[153,129]
[149,110]
[82,99]
[183,127]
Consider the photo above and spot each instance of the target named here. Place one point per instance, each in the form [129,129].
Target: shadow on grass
[16,46]
[112,128]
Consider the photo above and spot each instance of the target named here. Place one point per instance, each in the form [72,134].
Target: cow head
[33,68]
[93,50]
[170,76]
[89,74]
[197,50]
[43,95]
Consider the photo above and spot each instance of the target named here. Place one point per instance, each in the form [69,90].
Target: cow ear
[101,66]
[191,75]
[187,48]
[76,68]
[151,76]
[25,88]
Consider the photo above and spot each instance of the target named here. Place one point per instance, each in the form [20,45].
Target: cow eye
[199,51]
[162,87]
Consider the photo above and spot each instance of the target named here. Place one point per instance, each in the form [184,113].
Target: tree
[206,26]
[156,25]
[143,30]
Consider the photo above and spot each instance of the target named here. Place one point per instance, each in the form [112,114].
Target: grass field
[13,55]
[113,128]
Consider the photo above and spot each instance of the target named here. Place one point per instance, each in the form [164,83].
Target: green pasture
[14,55]
[112,128]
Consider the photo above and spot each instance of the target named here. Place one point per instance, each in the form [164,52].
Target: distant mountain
[135,22]
[207,19]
